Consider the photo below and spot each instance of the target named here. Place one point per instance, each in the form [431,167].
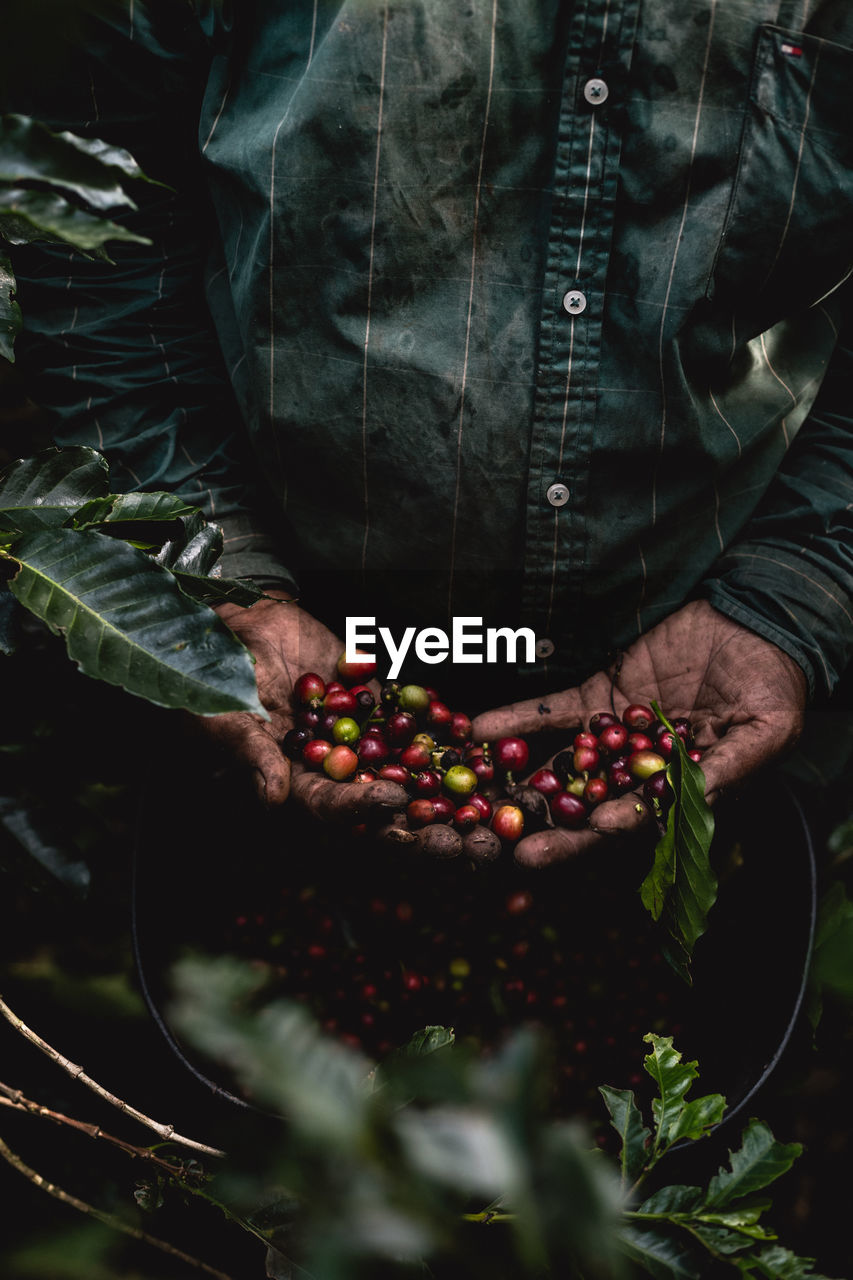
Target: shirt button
[557,494]
[544,648]
[574,302]
[596,91]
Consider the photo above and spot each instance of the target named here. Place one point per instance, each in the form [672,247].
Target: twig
[107,1219]
[165,1131]
[14,1099]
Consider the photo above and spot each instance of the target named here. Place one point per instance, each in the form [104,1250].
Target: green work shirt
[527,310]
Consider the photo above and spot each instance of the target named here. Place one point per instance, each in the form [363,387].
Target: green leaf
[681,887]
[698,1116]
[776,1263]
[47,488]
[89,170]
[673,1079]
[671,1200]
[627,1120]
[723,1239]
[133,508]
[659,1254]
[125,621]
[757,1163]
[194,548]
[427,1040]
[10,311]
[26,216]
[832,958]
[41,839]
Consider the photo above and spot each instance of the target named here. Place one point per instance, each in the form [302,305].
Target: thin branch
[165,1131]
[107,1219]
[14,1099]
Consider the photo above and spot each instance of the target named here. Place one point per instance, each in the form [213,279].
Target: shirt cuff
[789,601]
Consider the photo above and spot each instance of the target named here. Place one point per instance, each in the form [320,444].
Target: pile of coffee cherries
[410,736]
[615,754]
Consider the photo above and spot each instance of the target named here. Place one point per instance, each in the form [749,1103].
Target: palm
[744,697]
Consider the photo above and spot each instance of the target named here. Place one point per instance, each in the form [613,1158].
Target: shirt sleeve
[123,356]
[789,576]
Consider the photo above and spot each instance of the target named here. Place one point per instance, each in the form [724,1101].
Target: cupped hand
[745,699]
[285,642]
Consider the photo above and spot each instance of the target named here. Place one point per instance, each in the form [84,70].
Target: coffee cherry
[595,791]
[358,669]
[426,782]
[585,759]
[340,763]
[309,689]
[602,720]
[482,805]
[364,697]
[346,730]
[394,773]
[508,822]
[372,749]
[657,788]
[466,817]
[460,727]
[449,757]
[613,738]
[568,810]
[484,769]
[315,752]
[694,755]
[400,728]
[546,781]
[416,756]
[438,714]
[511,754]
[585,740]
[293,742]
[642,764]
[444,808]
[638,716]
[639,742]
[420,813]
[414,698]
[460,781]
[340,701]
[308,718]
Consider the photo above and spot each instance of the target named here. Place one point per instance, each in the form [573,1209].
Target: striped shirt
[529,310]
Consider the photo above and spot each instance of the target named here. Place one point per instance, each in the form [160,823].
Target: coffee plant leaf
[759,1161]
[194,548]
[125,621]
[663,1256]
[673,1200]
[278,1053]
[627,1120]
[27,216]
[831,968]
[698,1117]
[673,1079]
[90,171]
[10,311]
[241,591]
[36,851]
[681,887]
[460,1148]
[50,486]
[778,1263]
[148,507]
[428,1039]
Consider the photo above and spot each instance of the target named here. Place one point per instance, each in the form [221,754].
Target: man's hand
[285,642]
[744,697]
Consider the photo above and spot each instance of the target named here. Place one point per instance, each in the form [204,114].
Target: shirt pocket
[787,239]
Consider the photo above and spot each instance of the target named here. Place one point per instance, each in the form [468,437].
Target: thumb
[247,741]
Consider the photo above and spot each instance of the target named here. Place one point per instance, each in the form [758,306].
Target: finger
[623,816]
[553,845]
[556,711]
[741,751]
[346,802]
[248,741]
